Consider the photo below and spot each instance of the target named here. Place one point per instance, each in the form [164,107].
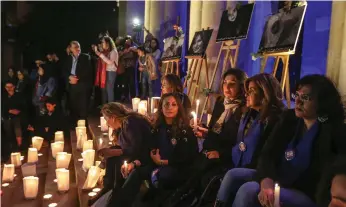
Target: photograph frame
[198,49]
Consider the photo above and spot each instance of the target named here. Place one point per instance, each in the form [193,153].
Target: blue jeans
[247,196]
[232,181]
[108,92]
[146,81]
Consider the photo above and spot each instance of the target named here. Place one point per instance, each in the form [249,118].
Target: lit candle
[88,145]
[277,195]
[63,177]
[97,163]
[30,185]
[32,155]
[154,104]
[47,196]
[57,147]
[37,142]
[194,120]
[39,154]
[135,102]
[103,122]
[80,159]
[92,194]
[63,159]
[8,173]
[96,190]
[15,159]
[5,184]
[197,107]
[142,107]
[81,137]
[92,178]
[125,166]
[81,123]
[110,134]
[52,205]
[155,110]
[88,159]
[59,136]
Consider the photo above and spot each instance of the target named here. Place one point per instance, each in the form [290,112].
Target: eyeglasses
[303,97]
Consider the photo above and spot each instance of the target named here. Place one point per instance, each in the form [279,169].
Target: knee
[247,195]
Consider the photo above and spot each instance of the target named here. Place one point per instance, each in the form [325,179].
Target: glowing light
[47,196]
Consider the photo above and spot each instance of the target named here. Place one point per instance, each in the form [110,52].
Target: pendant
[174,141]
[242,146]
[290,154]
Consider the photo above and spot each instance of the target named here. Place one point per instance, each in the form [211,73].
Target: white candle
[93,176]
[100,143]
[8,173]
[32,155]
[47,196]
[96,190]
[197,107]
[63,159]
[81,123]
[142,107]
[37,142]
[154,104]
[277,195]
[88,159]
[135,102]
[125,166]
[92,194]
[5,184]
[194,120]
[30,185]
[155,110]
[63,177]
[59,136]
[57,147]
[88,145]
[110,134]
[81,137]
[52,205]
[15,159]
[97,163]
[103,122]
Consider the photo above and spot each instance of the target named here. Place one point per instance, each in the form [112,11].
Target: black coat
[135,139]
[224,141]
[84,70]
[17,101]
[330,141]
[185,149]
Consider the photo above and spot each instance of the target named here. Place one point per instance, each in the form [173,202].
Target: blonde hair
[119,111]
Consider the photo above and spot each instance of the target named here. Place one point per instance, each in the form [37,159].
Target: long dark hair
[157,45]
[110,42]
[327,97]
[180,121]
[174,81]
[270,92]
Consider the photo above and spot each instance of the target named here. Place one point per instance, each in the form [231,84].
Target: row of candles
[143,106]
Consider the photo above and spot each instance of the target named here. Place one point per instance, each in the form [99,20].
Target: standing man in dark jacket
[79,76]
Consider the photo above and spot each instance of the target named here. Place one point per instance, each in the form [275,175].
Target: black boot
[219,203]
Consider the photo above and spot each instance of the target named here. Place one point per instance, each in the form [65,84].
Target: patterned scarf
[101,72]
[230,107]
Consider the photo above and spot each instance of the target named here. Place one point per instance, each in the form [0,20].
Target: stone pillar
[336,64]
[122,30]
[195,18]
[147,16]
[156,16]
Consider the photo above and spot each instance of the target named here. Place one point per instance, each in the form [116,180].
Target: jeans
[146,81]
[232,181]
[247,196]
[108,92]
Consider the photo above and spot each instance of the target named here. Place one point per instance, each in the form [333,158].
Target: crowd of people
[251,143]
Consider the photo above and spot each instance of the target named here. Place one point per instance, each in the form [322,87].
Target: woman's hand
[213,155]
[266,195]
[155,156]
[31,128]
[201,132]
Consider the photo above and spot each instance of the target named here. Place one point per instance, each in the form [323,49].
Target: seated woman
[134,137]
[264,100]
[175,146]
[220,137]
[171,83]
[302,145]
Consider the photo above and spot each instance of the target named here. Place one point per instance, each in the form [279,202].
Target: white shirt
[113,58]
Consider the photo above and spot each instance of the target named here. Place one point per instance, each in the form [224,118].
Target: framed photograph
[235,23]
[281,31]
[173,47]
[200,43]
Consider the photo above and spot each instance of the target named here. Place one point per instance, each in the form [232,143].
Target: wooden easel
[196,65]
[285,77]
[231,50]
[170,66]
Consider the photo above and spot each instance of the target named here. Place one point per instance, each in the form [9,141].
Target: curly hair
[326,95]
[270,92]
[181,121]
[174,81]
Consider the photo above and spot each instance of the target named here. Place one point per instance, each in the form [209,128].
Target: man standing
[79,76]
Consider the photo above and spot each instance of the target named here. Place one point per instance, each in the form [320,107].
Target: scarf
[100,80]
[230,107]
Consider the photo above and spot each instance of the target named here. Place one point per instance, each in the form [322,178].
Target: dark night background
[50,26]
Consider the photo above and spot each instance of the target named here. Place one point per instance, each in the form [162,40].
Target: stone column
[156,16]
[336,64]
[147,16]
[195,18]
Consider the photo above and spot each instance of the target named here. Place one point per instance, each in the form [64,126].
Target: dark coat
[185,149]
[84,70]
[224,141]
[135,138]
[17,101]
[330,141]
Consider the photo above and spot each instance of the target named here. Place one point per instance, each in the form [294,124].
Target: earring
[322,119]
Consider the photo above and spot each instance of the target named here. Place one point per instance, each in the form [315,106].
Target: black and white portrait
[200,43]
[282,30]
[235,23]
[173,48]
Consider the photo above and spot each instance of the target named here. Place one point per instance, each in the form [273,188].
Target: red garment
[101,72]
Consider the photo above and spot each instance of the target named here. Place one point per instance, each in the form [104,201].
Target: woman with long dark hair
[264,101]
[303,144]
[106,69]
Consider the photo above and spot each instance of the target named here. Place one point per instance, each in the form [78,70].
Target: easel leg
[265,59]
[192,77]
[206,72]
[225,61]
[188,71]
[200,65]
[178,71]
[276,64]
